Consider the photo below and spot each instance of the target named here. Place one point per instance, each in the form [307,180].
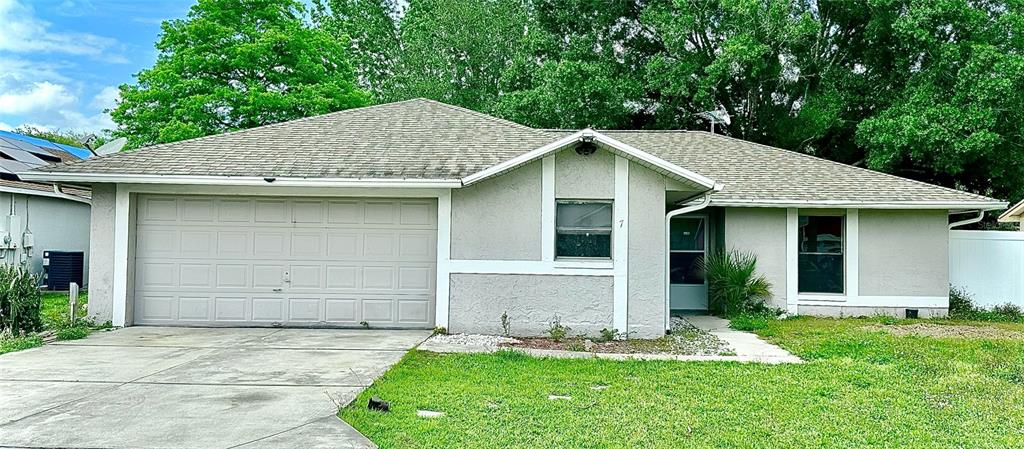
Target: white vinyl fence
[989,265]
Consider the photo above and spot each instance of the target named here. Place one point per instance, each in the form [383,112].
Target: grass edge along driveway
[862,387]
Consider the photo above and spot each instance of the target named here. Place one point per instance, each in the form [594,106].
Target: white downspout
[972,220]
[668,249]
[60,193]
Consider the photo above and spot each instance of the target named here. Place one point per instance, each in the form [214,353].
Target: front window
[686,250]
[583,229]
[821,254]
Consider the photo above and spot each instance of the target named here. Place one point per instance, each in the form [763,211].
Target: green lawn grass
[55,308]
[11,344]
[860,388]
[54,312]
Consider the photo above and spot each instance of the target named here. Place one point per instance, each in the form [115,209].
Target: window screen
[583,229]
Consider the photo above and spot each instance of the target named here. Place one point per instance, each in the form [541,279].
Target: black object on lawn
[377,403]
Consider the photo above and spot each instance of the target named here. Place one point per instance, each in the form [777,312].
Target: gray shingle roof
[424,139]
[415,139]
[752,171]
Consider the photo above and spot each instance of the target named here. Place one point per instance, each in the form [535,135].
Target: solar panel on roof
[14,166]
[24,157]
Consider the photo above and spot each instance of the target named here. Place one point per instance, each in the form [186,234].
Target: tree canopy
[235,64]
[927,89]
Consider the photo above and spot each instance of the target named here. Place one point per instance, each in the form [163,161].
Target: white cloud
[23,32]
[6,127]
[41,96]
[106,99]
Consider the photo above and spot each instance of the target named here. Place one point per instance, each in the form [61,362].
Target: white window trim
[851,265]
[620,245]
[584,259]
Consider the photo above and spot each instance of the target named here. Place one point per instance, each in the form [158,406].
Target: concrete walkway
[151,387]
[748,347]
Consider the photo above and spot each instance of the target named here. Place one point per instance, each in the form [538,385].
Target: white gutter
[668,254]
[839,204]
[972,220]
[240,180]
[59,193]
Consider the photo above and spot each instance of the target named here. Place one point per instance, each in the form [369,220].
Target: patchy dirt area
[947,331]
[684,339]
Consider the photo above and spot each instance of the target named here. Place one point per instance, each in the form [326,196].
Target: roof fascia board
[47,194]
[240,180]
[839,204]
[626,149]
[1015,213]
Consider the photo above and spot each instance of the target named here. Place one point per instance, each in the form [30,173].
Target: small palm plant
[734,287]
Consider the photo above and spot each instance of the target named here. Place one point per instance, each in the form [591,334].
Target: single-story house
[418,214]
[41,217]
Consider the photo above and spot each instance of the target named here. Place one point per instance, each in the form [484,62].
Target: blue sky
[62,60]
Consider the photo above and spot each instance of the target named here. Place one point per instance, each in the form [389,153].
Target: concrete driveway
[152,387]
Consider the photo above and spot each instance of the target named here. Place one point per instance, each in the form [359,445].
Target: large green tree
[235,64]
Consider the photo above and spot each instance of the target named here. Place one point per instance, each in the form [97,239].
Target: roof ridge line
[237,131]
[482,115]
[821,159]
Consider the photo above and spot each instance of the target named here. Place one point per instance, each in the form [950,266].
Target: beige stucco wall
[647,248]
[763,232]
[584,303]
[499,218]
[904,253]
[101,253]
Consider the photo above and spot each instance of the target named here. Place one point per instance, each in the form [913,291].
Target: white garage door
[241,261]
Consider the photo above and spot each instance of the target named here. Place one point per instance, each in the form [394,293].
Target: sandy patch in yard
[947,331]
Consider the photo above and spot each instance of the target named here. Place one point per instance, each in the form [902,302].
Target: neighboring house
[39,217]
[418,214]
[1014,214]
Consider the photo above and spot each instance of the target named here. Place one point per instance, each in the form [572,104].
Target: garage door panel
[413,311]
[342,311]
[159,209]
[306,277]
[230,308]
[234,211]
[306,245]
[158,307]
[194,308]
[271,211]
[285,261]
[378,310]
[304,310]
[231,244]
[268,309]
[343,277]
[198,210]
[271,243]
[195,275]
[344,212]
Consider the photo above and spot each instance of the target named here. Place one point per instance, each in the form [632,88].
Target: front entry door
[688,289]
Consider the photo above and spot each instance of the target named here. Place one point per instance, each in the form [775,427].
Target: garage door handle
[278,290]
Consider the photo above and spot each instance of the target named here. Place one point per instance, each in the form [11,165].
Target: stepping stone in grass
[555,397]
[599,387]
[429,414]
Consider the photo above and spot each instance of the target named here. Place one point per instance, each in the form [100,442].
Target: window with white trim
[583,229]
[821,263]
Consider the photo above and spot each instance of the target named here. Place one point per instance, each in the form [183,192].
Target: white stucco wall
[584,303]
[647,249]
[585,177]
[101,253]
[761,231]
[904,253]
[499,218]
